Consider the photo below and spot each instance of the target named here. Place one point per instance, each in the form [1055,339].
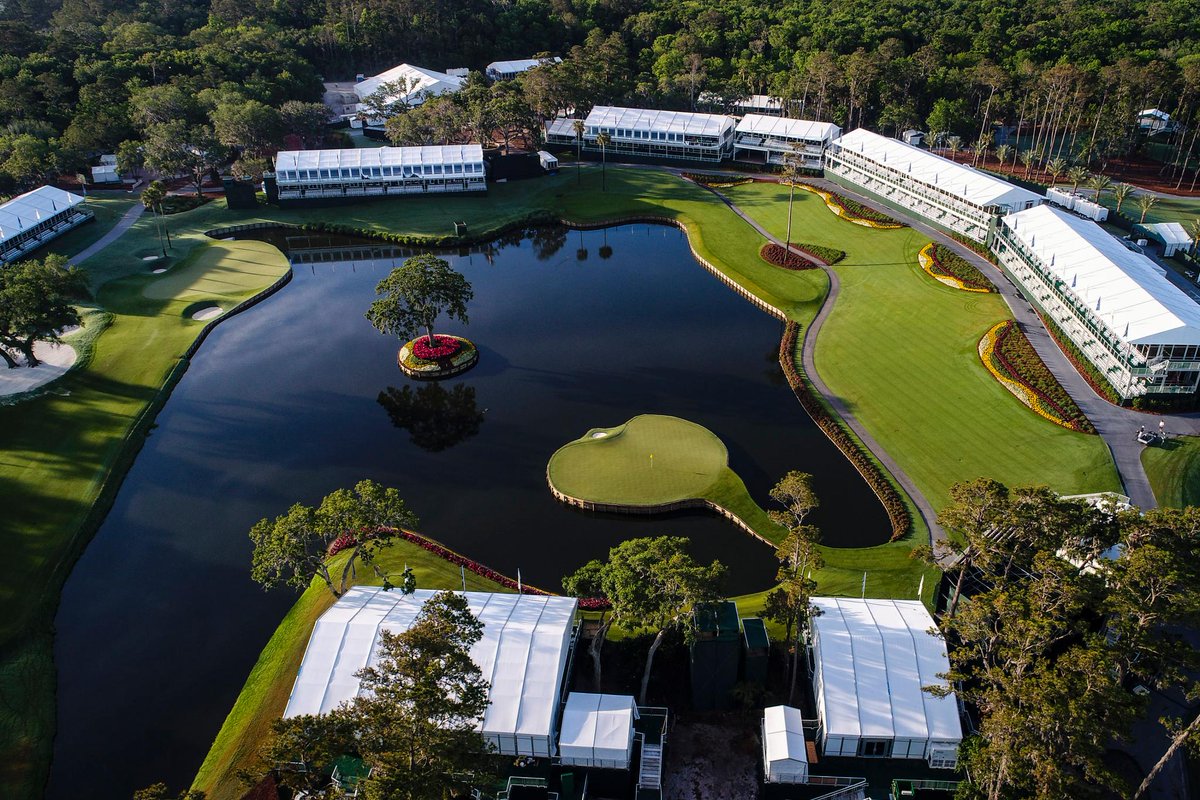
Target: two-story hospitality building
[367,172]
[643,132]
[773,140]
[30,220]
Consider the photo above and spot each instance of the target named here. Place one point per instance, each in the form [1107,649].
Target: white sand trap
[158,271]
[151,258]
[599,434]
[56,360]
[210,312]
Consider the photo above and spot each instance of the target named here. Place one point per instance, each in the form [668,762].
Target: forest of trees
[80,77]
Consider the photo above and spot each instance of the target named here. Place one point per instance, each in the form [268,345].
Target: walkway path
[125,223]
[936,534]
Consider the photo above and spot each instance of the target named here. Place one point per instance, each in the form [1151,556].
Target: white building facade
[774,140]
[30,220]
[382,171]
[656,134]
[1137,328]
[785,752]
[948,194]
[870,660]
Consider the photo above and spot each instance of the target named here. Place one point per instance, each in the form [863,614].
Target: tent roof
[597,722]
[875,656]
[970,184]
[379,156]
[1169,232]
[643,119]
[517,65]
[783,732]
[763,125]
[27,210]
[1137,302]
[522,653]
[420,81]
[1154,112]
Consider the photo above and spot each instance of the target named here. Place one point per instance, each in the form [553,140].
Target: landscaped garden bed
[852,210]
[1099,383]
[775,255]
[873,474]
[714,181]
[947,267]
[1011,359]
[445,356]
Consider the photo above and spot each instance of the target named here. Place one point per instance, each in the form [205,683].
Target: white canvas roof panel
[379,157]
[763,125]
[1122,287]
[875,657]
[522,653]
[783,730]
[421,81]
[971,185]
[25,211]
[641,119]
[1170,233]
[516,65]
[597,726]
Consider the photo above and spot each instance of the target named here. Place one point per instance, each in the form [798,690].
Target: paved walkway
[125,223]
[936,534]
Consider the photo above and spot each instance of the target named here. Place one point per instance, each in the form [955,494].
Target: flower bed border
[852,210]
[709,181]
[456,363]
[776,256]
[993,358]
[852,449]
[935,267]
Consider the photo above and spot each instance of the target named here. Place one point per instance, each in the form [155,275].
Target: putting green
[651,460]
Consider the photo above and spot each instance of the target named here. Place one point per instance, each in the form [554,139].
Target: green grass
[1174,471]
[108,207]
[901,350]
[265,694]
[1167,209]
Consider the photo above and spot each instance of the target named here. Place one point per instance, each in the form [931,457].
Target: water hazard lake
[160,622]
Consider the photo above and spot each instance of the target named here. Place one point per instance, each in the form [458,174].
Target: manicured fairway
[901,349]
[1174,471]
[651,460]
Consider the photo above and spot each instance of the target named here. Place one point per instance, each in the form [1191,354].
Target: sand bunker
[209,312]
[151,258]
[56,360]
[158,271]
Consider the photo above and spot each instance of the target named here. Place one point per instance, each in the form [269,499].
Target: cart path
[125,223]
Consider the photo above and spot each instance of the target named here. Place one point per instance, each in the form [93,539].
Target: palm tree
[1054,168]
[980,149]
[954,143]
[1003,151]
[579,127]
[1145,202]
[1121,193]
[152,199]
[604,140]
[1099,184]
[1027,158]
[1077,175]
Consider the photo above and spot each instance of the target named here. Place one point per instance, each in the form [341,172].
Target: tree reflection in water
[436,419]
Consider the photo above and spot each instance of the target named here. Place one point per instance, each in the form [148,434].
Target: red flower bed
[948,262]
[776,255]
[1017,359]
[445,553]
[443,347]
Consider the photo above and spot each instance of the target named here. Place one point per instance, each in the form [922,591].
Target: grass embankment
[1174,471]
[64,455]
[901,350]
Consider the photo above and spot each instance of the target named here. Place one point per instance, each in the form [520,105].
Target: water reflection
[436,419]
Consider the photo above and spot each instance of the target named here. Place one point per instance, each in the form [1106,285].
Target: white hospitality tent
[1172,235]
[504,70]
[788,128]
[27,211]
[597,730]
[378,161]
[975,187]
[785,755]
[419,81]
[523,654]
[631,123]
[872,659]
[1125,289]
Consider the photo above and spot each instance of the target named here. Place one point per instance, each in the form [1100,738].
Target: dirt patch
[711,758]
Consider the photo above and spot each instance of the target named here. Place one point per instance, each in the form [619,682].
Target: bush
[776,255]
[1016,359]
[873,474]
[714,181]
[949,263]
[830,255]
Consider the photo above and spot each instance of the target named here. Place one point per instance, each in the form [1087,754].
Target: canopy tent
[29,210]
[419,83]
[597,730]
[505,70]
[1172,235]
[873,659]
[452,157]
[628,122]
[1135,301]
[788,128]
[970,185]
[522,654]
[785,754]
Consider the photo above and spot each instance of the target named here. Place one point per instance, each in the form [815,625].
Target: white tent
[523,654]
[506,70]
[105,173]
[419,81]
[872,660]
[597,730]
[785,755]
[1172,235]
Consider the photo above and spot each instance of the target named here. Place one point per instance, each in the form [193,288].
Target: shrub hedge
[876,478]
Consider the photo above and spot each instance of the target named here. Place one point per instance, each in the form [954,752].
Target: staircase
[650,771]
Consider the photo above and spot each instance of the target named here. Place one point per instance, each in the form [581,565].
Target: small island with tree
[410,300]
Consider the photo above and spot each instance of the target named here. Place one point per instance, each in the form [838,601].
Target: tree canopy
[37,300]
[415,294]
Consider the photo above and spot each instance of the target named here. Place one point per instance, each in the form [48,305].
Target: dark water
[160,623]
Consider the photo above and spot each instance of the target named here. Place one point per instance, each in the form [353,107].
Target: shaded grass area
[63,455]
[108,208]
[1174,471]
[901,351]
[265,695]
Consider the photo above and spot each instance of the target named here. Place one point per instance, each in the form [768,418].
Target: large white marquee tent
[523,654]
[872,659]
[597,730]
[29,220]
[419,82]
[785,754]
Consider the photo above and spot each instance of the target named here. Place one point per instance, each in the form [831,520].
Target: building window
[875,748]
